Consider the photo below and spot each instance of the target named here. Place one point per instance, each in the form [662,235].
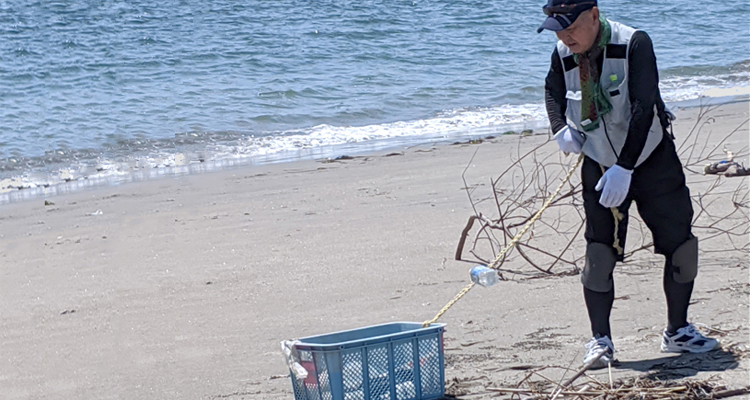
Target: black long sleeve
[554,94]
[643,86]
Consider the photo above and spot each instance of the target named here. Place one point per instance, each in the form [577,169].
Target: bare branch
[721,209]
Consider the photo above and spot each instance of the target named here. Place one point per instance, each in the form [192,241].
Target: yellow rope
[510,245]
[618,217]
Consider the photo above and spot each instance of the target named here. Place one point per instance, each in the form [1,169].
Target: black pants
[663,201]
[659,191]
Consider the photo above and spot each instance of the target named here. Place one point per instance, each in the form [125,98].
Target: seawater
[134,90]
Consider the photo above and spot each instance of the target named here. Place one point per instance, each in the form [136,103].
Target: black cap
[562,13]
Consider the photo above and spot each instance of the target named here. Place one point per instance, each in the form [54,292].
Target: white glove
[614,185]
[569,140]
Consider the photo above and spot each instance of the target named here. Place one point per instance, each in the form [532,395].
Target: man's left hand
[614,185]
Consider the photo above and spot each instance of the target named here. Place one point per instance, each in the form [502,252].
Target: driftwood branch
[720,201]
[584,386]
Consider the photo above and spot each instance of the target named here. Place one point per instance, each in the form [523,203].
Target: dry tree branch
[721,205]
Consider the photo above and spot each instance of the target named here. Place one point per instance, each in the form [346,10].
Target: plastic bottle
[484,276]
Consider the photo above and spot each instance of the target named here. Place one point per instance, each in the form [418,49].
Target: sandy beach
[182,288]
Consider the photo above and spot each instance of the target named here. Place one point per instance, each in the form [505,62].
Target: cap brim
[550,24]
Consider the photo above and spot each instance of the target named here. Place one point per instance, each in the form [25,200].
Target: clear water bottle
[483,275]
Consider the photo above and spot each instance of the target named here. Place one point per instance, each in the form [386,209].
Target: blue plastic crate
[395,361]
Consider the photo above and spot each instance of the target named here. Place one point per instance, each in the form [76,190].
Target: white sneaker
[596,346]
[687,340]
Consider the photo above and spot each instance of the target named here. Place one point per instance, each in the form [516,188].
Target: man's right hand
[569,140]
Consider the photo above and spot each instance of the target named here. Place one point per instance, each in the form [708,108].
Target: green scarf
[593,102]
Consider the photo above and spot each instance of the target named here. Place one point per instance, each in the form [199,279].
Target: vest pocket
[617,96]
[573,111]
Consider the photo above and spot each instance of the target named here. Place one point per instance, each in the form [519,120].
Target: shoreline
[104,173]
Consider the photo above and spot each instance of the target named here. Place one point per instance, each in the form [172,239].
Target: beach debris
[67,312]
[95,213]
[470,141]
[48,203]
[636,389]
[738,170]
[339,158]
[727,167]
[716,331]
[665,379]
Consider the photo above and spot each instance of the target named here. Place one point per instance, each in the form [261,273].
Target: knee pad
[600,262]
[685,261]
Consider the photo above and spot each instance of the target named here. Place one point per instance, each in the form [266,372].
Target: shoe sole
[697,351]
[599,364]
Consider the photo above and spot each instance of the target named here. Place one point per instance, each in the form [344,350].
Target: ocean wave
[448,123]
[135,160]
[63,172]
[690,83]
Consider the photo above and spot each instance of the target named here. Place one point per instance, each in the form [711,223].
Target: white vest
[605,143]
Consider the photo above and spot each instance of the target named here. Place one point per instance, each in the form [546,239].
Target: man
[602,98]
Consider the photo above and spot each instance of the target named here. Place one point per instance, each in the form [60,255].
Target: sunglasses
[564,8]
